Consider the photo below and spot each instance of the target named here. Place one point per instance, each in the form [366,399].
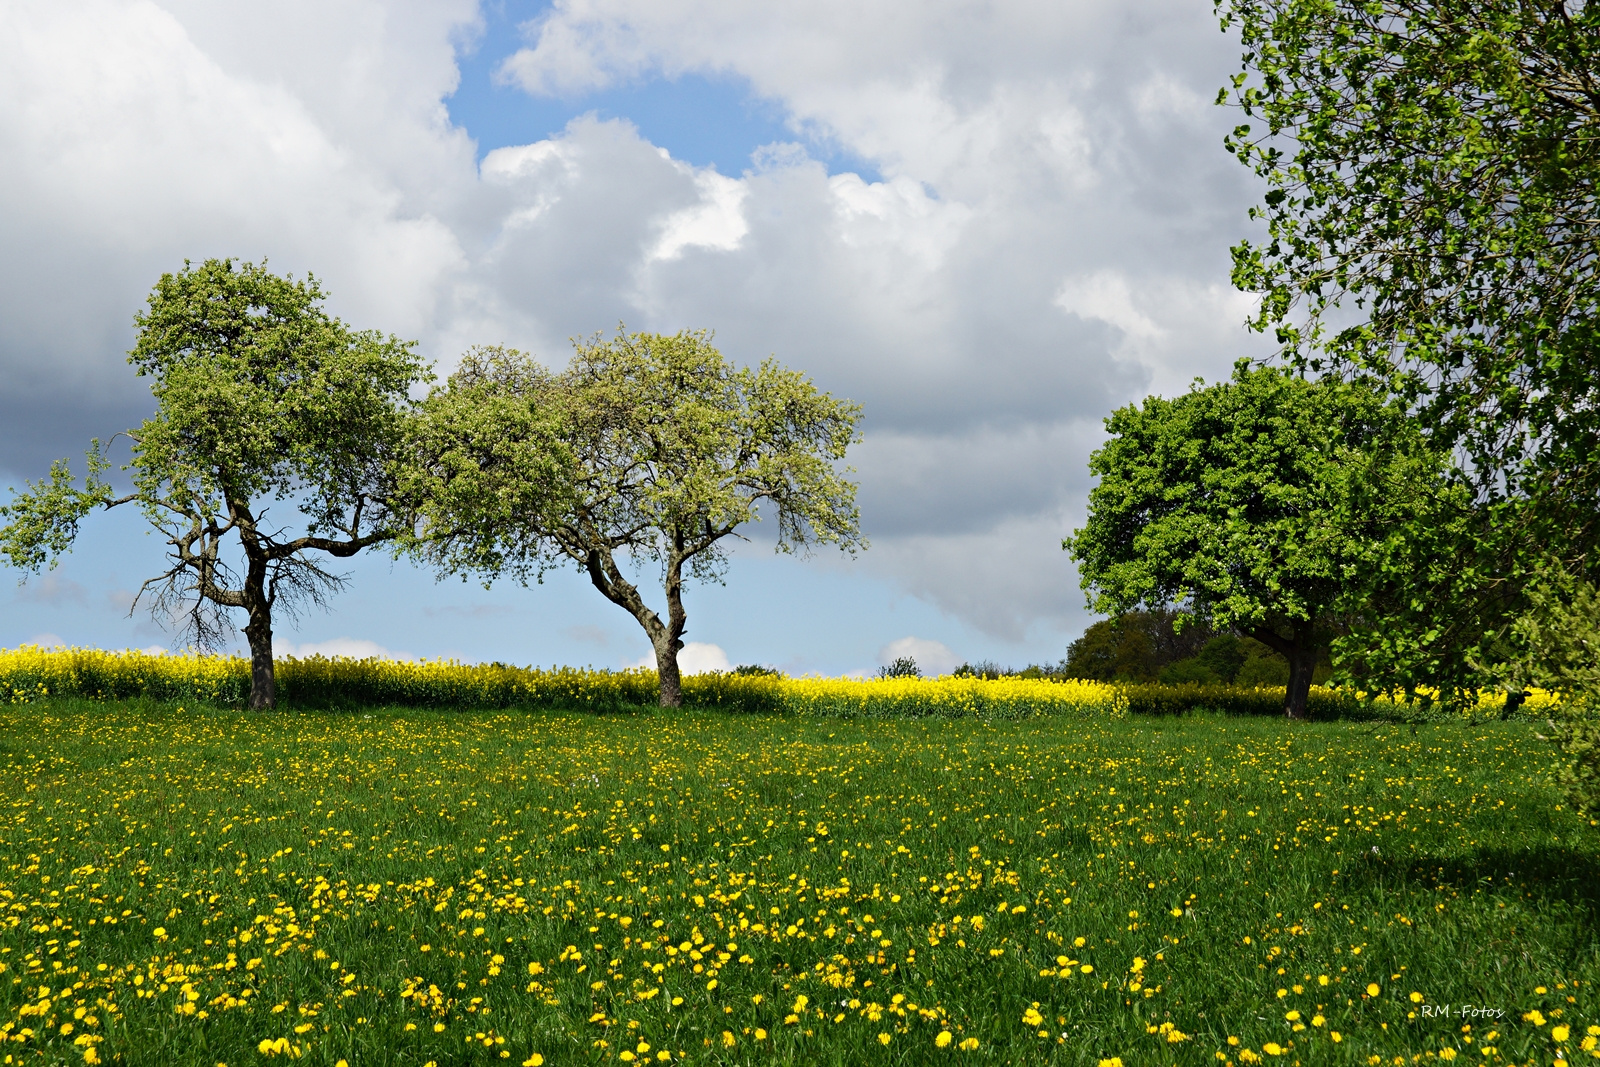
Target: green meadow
[183,886]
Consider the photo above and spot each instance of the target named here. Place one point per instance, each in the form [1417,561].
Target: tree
[1432,170]
[1555,644]
[1258,505]
[262,400]
[665,451]
[1134,647]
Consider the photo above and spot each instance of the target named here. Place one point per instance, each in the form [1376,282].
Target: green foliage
[263,402]
[1182,698]
[1217,663]
[1432,164]
[43,520]
[1432,170]
[1261,505]
[488,456]
[1555,645]
[1243,662]
[756,670]
[262,395]
[1134,646]
[647,448]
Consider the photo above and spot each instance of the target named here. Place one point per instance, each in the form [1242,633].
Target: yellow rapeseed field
[31,673]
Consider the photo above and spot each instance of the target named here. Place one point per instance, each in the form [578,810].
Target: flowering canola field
[31,674]
[534,887]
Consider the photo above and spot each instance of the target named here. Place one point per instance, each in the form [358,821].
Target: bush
[1233,700]
[1556,645]
[902,667]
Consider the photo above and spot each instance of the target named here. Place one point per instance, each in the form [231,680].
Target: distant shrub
[902,667]
[1134,647]
[1164,699]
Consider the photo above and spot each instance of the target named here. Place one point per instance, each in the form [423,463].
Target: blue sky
[701,119]
[987,224]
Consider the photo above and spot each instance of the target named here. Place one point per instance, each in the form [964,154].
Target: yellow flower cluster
[949,696]
[30,673]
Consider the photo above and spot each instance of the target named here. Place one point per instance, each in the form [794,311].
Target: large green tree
[1259,505]
[646,450]
[1432,170]
[276,438]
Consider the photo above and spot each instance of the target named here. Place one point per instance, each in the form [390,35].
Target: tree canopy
[264,403]
[655,450]
[1432,169]
[1161,645]
[1259,505]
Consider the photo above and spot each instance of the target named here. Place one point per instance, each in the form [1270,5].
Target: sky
[988,224]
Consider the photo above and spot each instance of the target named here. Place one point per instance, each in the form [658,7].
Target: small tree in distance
[1261,505]
[263,401]
[902,667]
[666,451]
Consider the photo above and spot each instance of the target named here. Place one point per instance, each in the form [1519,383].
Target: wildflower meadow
[788,873]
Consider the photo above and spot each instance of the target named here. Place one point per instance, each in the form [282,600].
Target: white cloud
[1106,296]
[46,640]
[932,657]
[716,222]
[695,657]
[1048,239]
[340,648]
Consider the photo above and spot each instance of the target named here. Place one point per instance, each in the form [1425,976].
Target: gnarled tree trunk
[263,683]
[258,631]
[667,671]
[665,637]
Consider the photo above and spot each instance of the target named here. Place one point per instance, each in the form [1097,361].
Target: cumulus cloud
[138,136]
[695,657]
[1042,237]
[933,657]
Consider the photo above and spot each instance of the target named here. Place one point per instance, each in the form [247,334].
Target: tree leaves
[1264,505]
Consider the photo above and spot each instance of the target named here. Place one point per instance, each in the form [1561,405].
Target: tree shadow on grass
[1548,874]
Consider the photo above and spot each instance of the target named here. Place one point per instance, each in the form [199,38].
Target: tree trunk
[1301,651]
[1302,662]
[1513,702]
[667,671]
[263,684]
[665,638]
[258,631]
[668,644]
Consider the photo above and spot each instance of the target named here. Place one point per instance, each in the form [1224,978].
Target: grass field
[407,887]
